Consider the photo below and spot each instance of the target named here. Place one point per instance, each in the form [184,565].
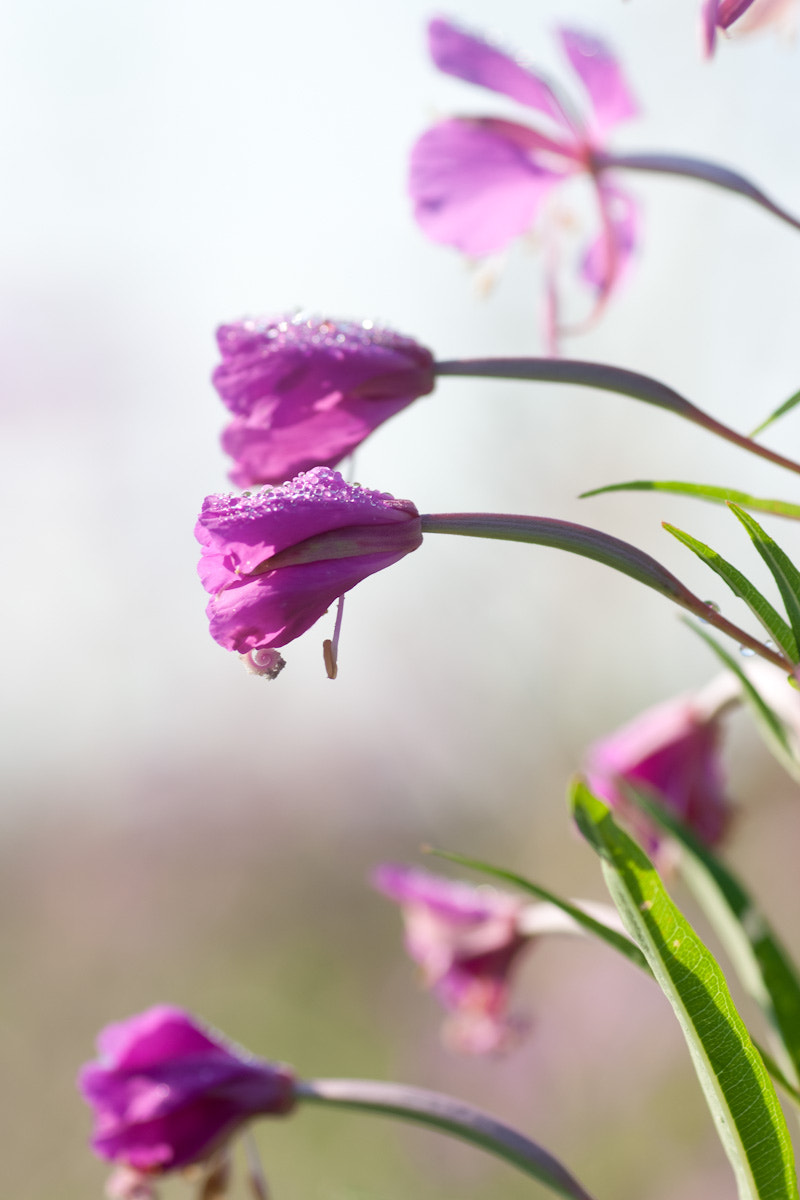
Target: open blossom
[275,560]
[479,182]
[747,15]
[672,752]
[167,1092]
[467,941]
[305,391]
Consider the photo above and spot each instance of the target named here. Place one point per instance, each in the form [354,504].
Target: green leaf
[784,572]
[768,723]
[781,411]
[763,966]
[738,1090]
[610,936]
[702,491]
[741,586]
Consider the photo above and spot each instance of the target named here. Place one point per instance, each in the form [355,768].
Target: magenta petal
[602,76]
[472,59]
[330,535]
[166,1092]
[473,188]
[708,25]
[673,752]
[275,608]
[609,256]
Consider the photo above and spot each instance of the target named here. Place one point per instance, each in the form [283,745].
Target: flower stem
[603,548]
[697,168]
[608,379]
[446,1115]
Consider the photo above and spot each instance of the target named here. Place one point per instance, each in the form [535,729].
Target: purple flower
[467,941]
[722,14]
[672,752]
[166,1092]
[275,560]
[306,391]
[479,182]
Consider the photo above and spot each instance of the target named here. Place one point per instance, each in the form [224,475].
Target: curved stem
[603,548]
[446,1115]
[608,379]
[697,168]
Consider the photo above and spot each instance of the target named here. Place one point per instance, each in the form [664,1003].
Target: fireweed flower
[722,14]
[305,391]
[167,1092]
[467,941]
[274,561]
[672,752]
[480,182]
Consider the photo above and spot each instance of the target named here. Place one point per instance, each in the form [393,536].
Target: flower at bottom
[749,16]
[167,1093]
[672,752]
[467,941]
[274,561]
[307,390]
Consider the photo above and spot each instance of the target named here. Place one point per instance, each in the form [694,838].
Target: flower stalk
[445,1115]
[606,378]
[603,548]
[696,168]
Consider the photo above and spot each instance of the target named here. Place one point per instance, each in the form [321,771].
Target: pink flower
[168,1092]
[306,391]
[275,560]
[722,14]
[467,941]
[479,182]
[672,752]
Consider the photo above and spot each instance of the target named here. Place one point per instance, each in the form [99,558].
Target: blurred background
[176,830]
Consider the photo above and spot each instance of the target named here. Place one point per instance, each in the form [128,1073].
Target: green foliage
[784,572]
[763,966]
[780,411]
[741,586]
[736,1084]
[702,491]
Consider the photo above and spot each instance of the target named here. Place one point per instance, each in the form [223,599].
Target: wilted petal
[474,188]
[602,76]
[609,255]
[471,58]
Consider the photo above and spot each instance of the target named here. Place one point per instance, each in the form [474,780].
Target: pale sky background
[172,165]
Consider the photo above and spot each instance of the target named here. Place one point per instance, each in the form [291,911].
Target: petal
[472,59]
[473,188]
[266,452]
[609,255]
[611,98]
[238,533]
[159,1033]
[708,26]
[278,606]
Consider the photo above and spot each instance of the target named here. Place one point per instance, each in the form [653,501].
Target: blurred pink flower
[467,941]
[167,1092]
[479,182]
[305,391]
[672,752]
[275,560]
[722,14]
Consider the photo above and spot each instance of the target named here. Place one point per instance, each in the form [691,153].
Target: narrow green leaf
[702,491]
[738,1090]
[741,586]
[763,966]
[784,572]
[781,411]
[610,936]
[768,723]
[777,1074]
